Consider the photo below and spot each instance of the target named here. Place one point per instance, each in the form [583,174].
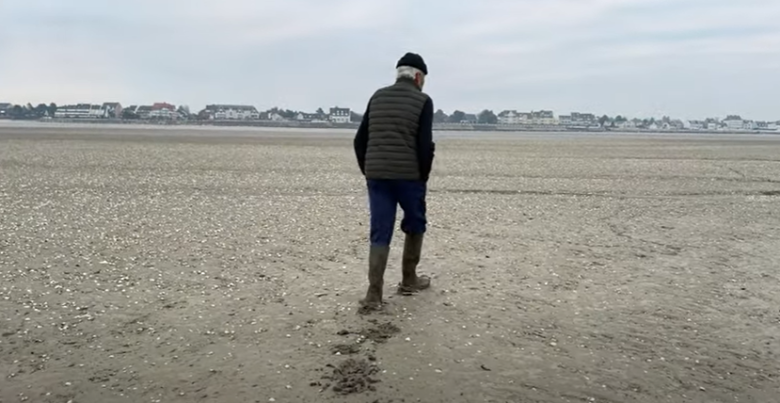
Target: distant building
[564,120]
[628,124]
[524,118]
[143,111]
[5,109]
[80,111]
[163,110]
[112,109]
[734,122]
[509,118]
[340,115]
[543,118]
[512,117]
[583,119]
[697,125]
[232,112]
[311,117]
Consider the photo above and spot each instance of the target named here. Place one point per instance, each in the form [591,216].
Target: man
[394,149]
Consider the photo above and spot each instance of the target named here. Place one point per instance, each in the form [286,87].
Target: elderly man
[394,149]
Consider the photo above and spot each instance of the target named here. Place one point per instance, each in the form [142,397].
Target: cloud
[687,58]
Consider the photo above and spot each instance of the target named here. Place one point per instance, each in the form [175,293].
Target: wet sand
[210,265]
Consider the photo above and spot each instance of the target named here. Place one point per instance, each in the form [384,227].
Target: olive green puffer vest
[393,121]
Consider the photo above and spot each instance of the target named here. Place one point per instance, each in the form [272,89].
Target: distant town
[247,115]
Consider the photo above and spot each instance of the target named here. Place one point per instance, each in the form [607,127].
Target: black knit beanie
[413,60]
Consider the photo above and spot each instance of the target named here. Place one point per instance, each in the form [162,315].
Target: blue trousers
[384,198]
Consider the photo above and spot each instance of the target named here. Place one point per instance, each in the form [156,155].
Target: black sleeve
[361,142]
[425,145]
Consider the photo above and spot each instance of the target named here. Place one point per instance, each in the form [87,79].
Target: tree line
[31,112]
[486,117]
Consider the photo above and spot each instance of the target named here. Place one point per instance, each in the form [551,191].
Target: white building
[509,118]
[734,122]
[80,111]
[163,110]
[232,112]
[310,117]
[527,118]
[112,109]
[696,125]
[543,118]
[584,119]
[627,124]
[163,113]
[340,115]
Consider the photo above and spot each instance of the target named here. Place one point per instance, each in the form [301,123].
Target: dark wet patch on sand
[345,349]
[380,333]
[353,376]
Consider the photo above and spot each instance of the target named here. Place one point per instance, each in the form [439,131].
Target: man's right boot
[411,283]
[377,262]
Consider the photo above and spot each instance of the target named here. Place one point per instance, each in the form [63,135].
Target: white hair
[409,72]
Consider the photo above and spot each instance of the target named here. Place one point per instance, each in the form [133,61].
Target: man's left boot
[377,262]
[411,283]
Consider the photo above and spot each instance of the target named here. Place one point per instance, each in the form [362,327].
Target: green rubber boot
[377,262]
[411,282]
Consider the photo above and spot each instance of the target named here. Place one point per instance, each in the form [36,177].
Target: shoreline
[261,124]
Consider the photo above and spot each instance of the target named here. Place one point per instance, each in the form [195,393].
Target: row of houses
[166,111]
[89,111]
[635,123]
[114,110]
[546,118]
[248,112]
[733,122]
[577,119]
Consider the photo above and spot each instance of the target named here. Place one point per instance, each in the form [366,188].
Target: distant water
[252,131]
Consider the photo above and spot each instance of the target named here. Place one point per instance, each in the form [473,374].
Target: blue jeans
[384,197]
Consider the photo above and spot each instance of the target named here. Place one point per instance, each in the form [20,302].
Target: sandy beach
[225,265]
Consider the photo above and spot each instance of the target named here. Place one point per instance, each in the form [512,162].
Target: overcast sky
[685,58]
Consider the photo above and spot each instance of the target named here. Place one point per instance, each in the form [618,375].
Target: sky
[683,58]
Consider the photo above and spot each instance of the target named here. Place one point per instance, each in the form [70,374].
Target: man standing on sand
[394,149]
